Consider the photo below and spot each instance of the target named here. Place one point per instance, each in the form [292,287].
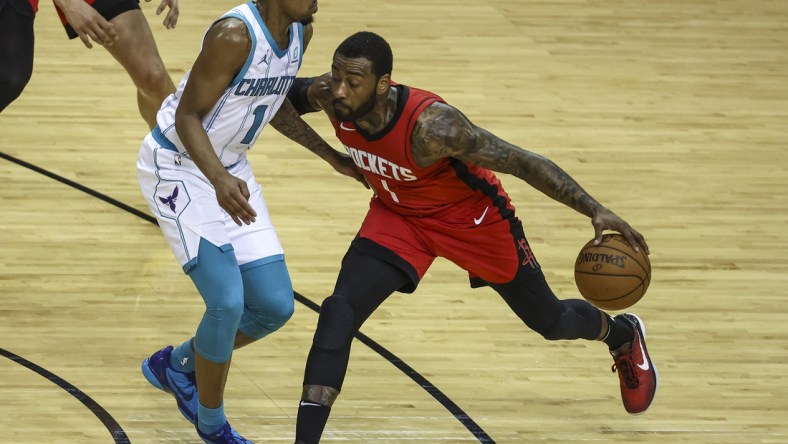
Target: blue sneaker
[223,435]
[158,371]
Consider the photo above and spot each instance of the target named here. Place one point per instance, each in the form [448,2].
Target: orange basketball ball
[612,275]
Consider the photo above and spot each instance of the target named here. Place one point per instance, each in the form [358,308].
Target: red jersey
[439,190]
[34,4]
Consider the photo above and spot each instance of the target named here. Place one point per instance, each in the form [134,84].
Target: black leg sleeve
[363,284]
[529,296]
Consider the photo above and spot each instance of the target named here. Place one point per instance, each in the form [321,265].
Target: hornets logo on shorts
[171,198]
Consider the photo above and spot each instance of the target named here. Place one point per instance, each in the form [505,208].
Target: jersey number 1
[259,114]
[386,187]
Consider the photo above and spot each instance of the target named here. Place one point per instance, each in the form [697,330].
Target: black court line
[80,187]
[439,396]
[109,422]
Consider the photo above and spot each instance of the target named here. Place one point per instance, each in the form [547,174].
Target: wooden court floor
[672,113]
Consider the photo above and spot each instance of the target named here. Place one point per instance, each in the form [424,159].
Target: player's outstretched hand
[605,219]
[87,23]
[233,196]
[171,19]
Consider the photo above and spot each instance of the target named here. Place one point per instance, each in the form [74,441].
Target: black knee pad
[335,327]
[554,333]
[579,319]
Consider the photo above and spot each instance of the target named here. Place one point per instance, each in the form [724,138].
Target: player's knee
[279,313]
[553,333]
[335,326]
[577,319]
[260,323]
[269,299]
[549,325]
[228,306]
[152,79]
[216,332]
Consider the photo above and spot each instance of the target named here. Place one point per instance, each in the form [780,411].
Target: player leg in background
[16,51]
[530,297]
[363,283]
[135,49]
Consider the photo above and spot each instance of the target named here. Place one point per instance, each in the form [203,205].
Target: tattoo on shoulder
[441,131]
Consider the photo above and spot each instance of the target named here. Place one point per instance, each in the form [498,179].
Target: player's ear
[384,82]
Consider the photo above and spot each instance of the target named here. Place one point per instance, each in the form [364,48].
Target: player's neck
[278,24]
[391,105]
[376,120]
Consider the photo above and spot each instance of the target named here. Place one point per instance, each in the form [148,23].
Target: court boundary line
[423,382]
[102,414]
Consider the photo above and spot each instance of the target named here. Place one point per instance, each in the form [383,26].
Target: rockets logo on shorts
[527,255]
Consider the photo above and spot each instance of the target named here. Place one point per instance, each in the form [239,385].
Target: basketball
[612,275]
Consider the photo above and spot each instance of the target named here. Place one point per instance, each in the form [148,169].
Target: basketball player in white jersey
[194,173]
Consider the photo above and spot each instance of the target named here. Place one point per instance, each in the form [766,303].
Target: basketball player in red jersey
[16,50]
[436,195]
[118,25]
[121,27]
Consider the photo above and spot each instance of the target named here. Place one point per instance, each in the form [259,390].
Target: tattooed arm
[289,123]
[443,131]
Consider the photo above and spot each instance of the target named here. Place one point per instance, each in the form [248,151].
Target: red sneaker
[635,370]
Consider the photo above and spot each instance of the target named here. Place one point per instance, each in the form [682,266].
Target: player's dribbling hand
[171,19]
[87,23]
[605,219]
[233,196]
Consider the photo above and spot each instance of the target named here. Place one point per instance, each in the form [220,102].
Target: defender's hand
[171,19]
[87,23]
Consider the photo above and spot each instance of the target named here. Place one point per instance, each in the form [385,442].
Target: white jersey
[250,101]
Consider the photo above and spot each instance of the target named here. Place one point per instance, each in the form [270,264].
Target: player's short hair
[370,46]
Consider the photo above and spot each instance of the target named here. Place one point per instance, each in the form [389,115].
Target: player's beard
[357,113]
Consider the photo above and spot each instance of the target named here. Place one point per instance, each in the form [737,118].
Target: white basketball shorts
[184,202]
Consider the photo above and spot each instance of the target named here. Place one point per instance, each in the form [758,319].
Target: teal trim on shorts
[263,261]
[189,266]
[162,140]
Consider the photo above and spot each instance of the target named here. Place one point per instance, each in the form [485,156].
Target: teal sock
[182,357]
[209,420]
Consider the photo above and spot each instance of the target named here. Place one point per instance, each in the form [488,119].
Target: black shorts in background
[108,9]
[22,7]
